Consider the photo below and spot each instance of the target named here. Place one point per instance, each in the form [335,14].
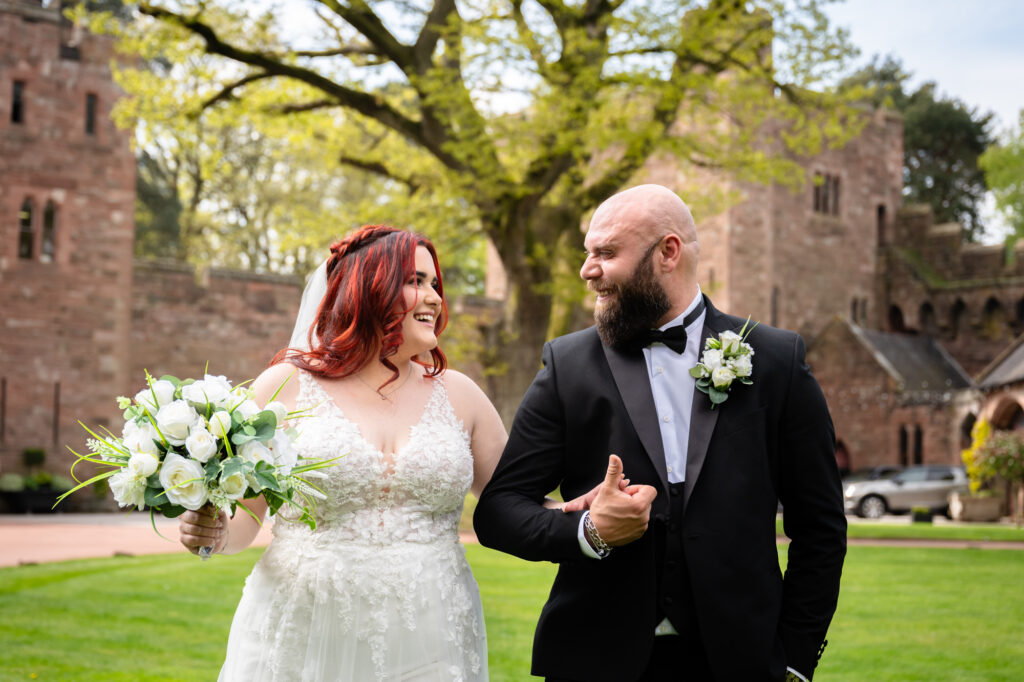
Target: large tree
[1003,164]
[511,119]
[942,140]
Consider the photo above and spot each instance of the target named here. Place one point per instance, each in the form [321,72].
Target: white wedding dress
[381,590]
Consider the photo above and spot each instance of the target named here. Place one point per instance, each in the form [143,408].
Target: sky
[973,49]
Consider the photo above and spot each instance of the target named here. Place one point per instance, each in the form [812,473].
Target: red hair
[362,311]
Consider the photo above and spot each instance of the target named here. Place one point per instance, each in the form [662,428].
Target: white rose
[284,454]
[712,359]
[153,398]
[128,489]
[722,376]
[209,390]
[730,342]
[220,423]
[201,444]
[140,437]
[143,464]
[175,420]
[742,366]
[175,472]
[248,409]
[279,410]
[255,451]
[233,486]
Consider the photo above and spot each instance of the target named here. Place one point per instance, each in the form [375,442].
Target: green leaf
[697,372]
[717,397]
[266,477]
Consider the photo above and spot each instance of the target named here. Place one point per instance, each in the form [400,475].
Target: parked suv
[917,486]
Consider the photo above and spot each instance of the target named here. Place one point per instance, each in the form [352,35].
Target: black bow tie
[673,337]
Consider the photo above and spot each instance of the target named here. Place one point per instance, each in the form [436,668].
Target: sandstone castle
[910,333]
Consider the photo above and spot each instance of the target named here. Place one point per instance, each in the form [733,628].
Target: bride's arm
[228,536]
[487,432]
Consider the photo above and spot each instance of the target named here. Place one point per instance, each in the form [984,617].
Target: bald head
[643,227]
[648,212]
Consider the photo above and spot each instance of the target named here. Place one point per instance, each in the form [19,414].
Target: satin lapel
[702,417]
[630,373]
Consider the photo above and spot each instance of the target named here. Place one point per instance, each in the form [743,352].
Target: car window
[911,475]
[940,475]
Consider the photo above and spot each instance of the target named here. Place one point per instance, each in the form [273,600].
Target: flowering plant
[189,443]
[726,359]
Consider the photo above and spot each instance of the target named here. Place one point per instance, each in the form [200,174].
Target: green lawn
[904,614]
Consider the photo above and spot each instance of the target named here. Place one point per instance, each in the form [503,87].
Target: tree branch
[528,38]
[378,168]
[372,106]
[363,19]
[228,91]
[433,28]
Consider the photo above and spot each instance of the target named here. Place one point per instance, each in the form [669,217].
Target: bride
[381,590]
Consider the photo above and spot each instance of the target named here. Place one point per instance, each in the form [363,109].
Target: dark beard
[638,305]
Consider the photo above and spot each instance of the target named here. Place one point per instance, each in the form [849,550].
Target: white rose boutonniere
[726,360]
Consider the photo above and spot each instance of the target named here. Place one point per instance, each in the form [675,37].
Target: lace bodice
[420,500]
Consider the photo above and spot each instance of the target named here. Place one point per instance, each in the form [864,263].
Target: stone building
[79,322]
[67,200]
[894,398]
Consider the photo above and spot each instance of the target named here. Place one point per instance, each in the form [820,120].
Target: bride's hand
[207,527]
[583,502]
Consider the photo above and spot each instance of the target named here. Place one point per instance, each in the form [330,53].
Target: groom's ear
[669,253]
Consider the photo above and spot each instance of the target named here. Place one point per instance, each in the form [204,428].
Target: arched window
[863,312]
[904,443]
[993,320]
[918,445]
[854,311]
[882,241]
[896,319]
[926,319]
[957,317]
[26,231]
[49,246]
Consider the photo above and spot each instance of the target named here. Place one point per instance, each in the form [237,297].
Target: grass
[904,614]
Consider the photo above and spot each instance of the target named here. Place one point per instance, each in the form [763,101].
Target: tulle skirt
[322,611]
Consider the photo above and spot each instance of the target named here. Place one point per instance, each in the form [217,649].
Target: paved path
[27,539]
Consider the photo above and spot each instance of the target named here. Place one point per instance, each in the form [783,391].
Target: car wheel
[872,507]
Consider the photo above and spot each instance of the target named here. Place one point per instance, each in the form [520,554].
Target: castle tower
[67,188]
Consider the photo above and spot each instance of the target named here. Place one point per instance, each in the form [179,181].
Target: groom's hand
[620,514]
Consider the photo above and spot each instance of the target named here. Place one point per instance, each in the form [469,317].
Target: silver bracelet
[602,548]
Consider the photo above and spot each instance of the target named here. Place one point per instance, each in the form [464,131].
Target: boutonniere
[726,359]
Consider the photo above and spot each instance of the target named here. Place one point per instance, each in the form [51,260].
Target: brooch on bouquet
[726,360]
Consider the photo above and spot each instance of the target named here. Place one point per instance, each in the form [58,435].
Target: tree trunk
[514,346]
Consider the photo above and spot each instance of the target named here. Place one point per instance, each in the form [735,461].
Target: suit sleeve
[813,517]
[510,515]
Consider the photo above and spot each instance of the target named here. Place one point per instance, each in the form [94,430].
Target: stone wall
[870,414]
[66,310]
[232,321]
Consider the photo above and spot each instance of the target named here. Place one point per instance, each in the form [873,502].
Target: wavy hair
[362,312]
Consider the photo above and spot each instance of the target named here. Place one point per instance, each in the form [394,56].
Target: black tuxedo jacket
[770,441]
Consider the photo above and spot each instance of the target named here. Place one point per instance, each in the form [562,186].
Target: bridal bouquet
[189,443]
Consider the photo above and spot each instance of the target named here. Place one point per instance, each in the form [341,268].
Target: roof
[918,363]
[1007,368]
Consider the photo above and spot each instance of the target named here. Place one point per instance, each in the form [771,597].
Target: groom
[676,575]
